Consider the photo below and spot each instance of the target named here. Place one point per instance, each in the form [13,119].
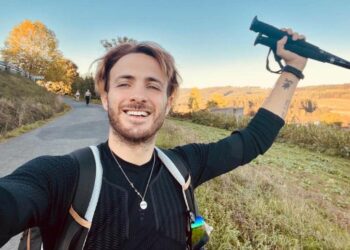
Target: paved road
[82,126]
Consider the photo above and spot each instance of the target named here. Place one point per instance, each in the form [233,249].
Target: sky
[210,40]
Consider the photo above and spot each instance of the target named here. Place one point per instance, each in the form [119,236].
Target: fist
[291,58]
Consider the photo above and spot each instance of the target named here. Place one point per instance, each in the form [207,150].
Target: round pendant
[143,205]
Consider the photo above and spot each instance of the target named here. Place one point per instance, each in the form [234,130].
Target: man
[141,205]
[87,96]
[77,95]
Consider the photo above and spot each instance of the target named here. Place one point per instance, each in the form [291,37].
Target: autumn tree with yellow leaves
[195,100]
[34,48]
[30,46]
[216,100]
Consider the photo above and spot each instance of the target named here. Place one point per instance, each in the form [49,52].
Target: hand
[289,57]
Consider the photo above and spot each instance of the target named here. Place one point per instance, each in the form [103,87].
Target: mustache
[138,106]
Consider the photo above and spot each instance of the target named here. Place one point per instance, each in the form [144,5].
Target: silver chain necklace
[143,203]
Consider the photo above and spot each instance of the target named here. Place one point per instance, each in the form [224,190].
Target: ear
[104,100]
[169,104]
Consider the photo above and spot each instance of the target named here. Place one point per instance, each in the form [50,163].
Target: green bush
[324,138]
[223,121]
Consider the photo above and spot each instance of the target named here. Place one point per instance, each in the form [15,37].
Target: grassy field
[289,198]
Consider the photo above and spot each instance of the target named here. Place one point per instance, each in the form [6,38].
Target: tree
[61,69]
[219,99]
[33,47]
[216,101]
[212,104]
[30,46]
[57,87]
[308,105]
[84,83]
[115,42]
[194,101]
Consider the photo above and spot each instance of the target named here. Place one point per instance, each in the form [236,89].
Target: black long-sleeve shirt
[40,192]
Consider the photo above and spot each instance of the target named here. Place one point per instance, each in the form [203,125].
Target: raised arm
[207,161]
[281,95]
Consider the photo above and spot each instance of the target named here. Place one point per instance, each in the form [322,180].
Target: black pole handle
[294,47]
[276,33]
[319,55]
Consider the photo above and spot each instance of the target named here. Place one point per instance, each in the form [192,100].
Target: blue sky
[210,40]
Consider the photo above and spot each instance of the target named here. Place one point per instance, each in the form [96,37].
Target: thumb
[282,41]
[280,45]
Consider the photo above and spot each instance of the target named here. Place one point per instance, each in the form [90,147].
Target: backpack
[76,227]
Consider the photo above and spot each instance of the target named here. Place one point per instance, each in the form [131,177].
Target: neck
[137,154]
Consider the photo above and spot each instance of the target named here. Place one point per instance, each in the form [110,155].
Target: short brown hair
[165,60]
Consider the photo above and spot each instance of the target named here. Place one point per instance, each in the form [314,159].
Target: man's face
[137,100]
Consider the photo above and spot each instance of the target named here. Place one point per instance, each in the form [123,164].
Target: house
[237,112]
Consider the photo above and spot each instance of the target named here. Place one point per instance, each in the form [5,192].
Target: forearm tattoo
[287,83]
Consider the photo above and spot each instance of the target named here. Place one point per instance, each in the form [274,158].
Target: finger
[295,36]
[289,31]
[302,37]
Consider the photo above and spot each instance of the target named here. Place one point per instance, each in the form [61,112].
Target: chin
[134,138]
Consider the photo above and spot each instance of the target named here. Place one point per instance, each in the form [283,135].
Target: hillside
[332,101]
[289,198]
[23,102]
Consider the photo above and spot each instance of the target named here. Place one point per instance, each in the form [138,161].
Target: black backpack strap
[187,189]
[87,172]
[75,231]
[185,172]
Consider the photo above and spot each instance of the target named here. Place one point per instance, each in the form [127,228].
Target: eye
[122,84]
[154,85]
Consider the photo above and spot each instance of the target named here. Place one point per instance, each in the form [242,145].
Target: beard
[131,135]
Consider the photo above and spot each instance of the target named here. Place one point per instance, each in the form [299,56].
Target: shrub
[324,138]
[223,121]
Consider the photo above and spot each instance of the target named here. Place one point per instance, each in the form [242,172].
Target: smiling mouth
[137,113]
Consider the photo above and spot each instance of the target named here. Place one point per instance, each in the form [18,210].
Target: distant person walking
[77,96]
[87,96]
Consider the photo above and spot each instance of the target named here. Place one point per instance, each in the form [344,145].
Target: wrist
[294,71]
[299,65]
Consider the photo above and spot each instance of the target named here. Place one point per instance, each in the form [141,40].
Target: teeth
[137,113]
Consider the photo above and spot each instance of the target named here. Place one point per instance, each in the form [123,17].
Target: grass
[22,102]
[28,127]
[289,198]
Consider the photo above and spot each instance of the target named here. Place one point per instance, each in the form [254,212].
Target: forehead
[137,65]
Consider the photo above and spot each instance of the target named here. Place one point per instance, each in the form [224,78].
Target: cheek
[110,105]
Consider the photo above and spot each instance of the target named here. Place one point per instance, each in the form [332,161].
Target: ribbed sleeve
[260,133]
[37,194]
[207,161]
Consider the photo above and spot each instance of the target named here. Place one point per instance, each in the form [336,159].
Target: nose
[138,93]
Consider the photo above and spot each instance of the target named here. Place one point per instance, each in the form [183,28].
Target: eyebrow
[130,77]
